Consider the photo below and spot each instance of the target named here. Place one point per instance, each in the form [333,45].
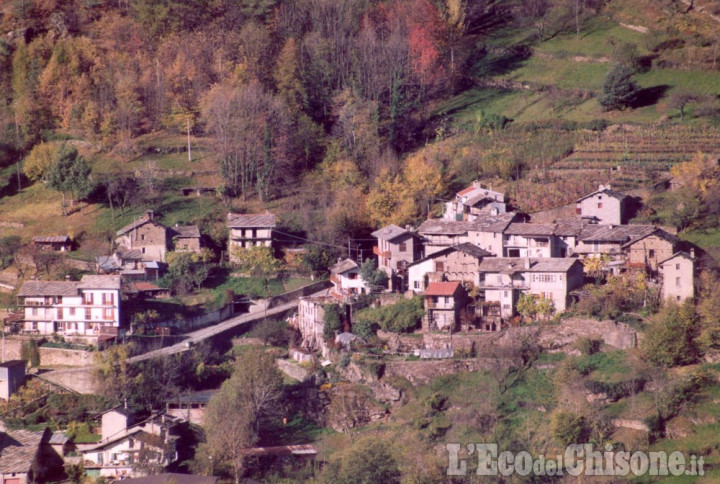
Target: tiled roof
[51,239]
[130,254]
[680,253]
[59,438]
[242,220]
[100,282]
[187,231]
[442,288]
[483,223]
[570,227]
[604,191]
[466,191]
[657,232]
[18,449]
[49,288]
[389,232]
[107,262]
[492,223]
[439,226]
[137,223]
[511,265]
[615,233]
[471,249]
[465,247]
[343,266]
[530,229]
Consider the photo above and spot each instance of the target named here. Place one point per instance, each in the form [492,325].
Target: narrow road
[204,333]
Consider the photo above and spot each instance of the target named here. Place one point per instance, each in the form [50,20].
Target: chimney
[692,253]
[149,214]
[610,226]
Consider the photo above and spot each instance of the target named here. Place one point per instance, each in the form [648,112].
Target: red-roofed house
[443,302]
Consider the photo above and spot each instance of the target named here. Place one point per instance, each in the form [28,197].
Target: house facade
[647,251]
[605,205]
[504,279]
[347,279]
[146,235]
[90,307]
[678,277]
[12,377]
[443,303]
[127,442]
[485,231]
[310,322]
[58,243]
[186,238]
[529,240]
[458,263]
[396,249]
[474,201]
[249,230]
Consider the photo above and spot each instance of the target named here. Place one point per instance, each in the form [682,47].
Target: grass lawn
[705,238]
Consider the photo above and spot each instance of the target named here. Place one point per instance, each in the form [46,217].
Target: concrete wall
[200,321]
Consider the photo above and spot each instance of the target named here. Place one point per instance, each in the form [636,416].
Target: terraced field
[635,156]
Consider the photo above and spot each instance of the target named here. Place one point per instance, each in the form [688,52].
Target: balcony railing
[381,253]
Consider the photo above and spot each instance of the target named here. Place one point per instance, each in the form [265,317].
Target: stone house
[90,307]
[249,230]
[347,279]
[458,263]
[147,235]
[58,243]
[397,248]
[12,377]
[443,304]
[502,280]
[485,231]
[609,239]
[647,250]
[129,264]
[310,322]
[474,201]
[186,238]
[678,276]
[605,205]
[529,240]
[21,453]
[126,442]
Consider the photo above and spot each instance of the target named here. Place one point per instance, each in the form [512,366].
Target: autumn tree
[259,262]
[671,340]
[366,461]
[241,409]
[37,163]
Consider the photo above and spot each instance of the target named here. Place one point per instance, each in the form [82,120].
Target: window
[417,285]
[677,267]
[439,266]
[142,237]
[60,313]
[677,281]
[505,294]
[352,276]
[578,210]
[88,314]
[142,250]
[88,298]
[678,298]
[108,314]
[599,204]
[34,311]
[403,247]
[72,311]
[447,300]
[108,299]
[651,253]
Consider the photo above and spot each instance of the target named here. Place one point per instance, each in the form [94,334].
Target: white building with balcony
[90,307]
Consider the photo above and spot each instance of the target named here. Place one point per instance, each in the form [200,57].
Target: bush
[567,428]
[588,346]
[672,340]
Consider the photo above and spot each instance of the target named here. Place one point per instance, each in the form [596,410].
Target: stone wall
[293,370]
[81,380]
[298,293]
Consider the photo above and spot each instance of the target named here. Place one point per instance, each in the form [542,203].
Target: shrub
[619,90]
[588,346]
[567,428]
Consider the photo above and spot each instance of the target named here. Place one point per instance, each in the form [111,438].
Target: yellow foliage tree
[39,159]
[423,182]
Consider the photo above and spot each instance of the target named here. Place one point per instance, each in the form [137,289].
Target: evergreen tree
[69,173]
[619,90]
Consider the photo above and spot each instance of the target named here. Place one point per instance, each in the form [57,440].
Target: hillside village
[348,241]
